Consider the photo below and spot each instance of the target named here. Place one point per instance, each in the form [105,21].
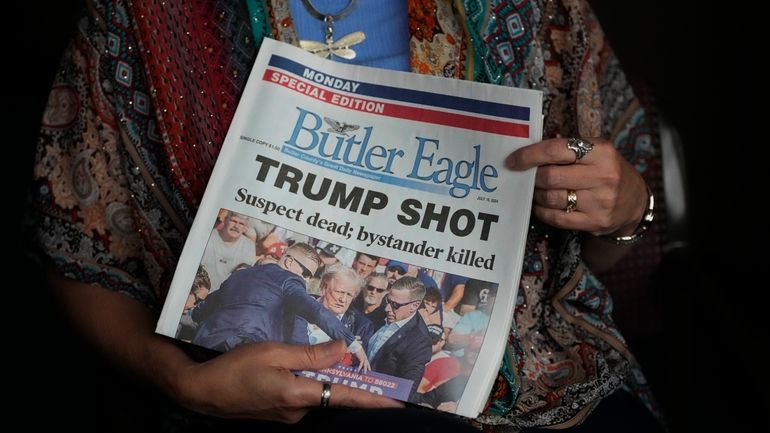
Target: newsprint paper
[391,175]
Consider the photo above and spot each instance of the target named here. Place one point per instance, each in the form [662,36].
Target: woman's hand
[255,381]
[611,195]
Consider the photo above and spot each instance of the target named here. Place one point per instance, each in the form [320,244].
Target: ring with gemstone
[580,146]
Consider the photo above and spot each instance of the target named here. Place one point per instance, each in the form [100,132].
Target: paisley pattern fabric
[147,90]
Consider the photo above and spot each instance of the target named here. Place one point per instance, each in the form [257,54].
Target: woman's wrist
[633,233]
[184,388]
[168,367]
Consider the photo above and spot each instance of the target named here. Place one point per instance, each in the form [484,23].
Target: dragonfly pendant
[339,48]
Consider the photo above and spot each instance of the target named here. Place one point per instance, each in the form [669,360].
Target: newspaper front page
[393,176]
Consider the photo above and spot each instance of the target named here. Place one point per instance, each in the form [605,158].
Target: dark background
[704,366]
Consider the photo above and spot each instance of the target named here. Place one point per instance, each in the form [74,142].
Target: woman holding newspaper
[132,131]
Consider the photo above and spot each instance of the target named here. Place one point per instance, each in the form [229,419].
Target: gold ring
[571,201]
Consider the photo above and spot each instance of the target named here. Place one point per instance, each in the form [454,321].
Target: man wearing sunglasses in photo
[252,304]
[369,302]
[403,346]
[395,270]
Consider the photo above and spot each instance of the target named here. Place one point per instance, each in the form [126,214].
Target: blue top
[383,22]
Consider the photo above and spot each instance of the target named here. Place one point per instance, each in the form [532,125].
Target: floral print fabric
[147,89]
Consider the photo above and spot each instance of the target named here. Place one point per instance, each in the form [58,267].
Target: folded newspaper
[367,205]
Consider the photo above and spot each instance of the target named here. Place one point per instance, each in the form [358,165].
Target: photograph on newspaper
[297,289]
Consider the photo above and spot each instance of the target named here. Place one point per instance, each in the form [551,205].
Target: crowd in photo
[260,282]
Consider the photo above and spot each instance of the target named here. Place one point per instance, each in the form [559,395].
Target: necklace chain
[329,17]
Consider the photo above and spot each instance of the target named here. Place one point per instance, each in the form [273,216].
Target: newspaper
[347,160]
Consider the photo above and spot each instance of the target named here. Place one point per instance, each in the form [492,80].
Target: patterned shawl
[147,90]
